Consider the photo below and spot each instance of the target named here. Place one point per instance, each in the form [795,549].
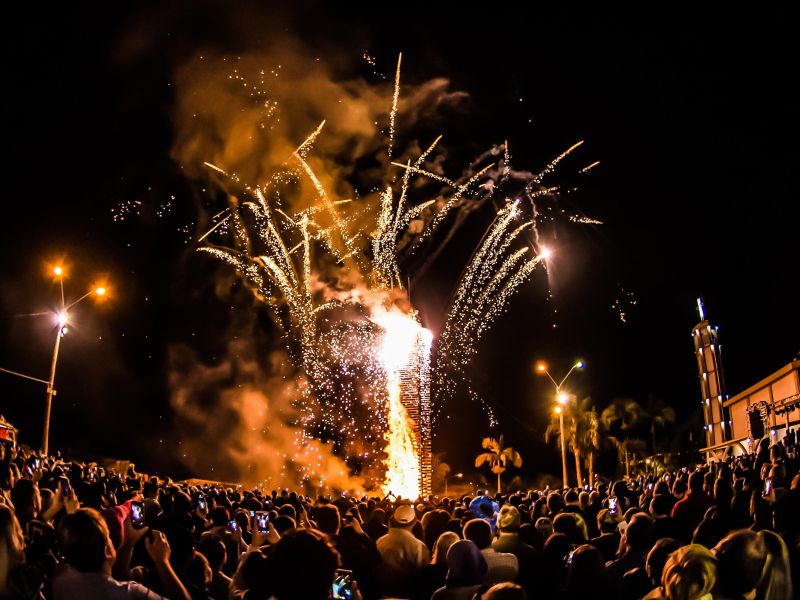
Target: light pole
[562,399]
[62,319]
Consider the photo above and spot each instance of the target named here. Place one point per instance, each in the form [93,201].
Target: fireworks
[329,271]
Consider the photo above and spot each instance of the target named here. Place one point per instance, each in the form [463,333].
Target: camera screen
[342,585]
[262,522]
[137,514]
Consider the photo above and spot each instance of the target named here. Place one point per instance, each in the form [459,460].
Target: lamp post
[62,319]
[562,399]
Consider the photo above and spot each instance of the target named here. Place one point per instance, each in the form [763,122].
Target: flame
[401,338]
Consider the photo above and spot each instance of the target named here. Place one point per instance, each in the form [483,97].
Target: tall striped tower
[708,353]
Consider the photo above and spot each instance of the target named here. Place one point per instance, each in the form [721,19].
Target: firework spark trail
[552,165]
[351,395]
[393,113]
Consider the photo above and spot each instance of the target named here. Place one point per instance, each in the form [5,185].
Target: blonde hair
[690,573]
[12,544]
[442,545]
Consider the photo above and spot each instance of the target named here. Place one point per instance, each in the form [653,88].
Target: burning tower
[415,395]
[405,356]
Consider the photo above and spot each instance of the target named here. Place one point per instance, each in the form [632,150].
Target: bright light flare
[400,339]
[545,253]
[562,398]
[541,368]
[100,291]
[62,319]
[579,364]
[58,271]
[558,410]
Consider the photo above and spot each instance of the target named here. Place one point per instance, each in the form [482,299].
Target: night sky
[692,115]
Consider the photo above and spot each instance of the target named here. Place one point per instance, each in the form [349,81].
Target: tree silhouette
[498,457]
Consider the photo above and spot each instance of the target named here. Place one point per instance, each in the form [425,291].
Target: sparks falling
[330,272]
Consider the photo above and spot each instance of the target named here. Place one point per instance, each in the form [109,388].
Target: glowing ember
[400,344]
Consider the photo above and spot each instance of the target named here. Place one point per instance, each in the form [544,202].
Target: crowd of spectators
[728,530]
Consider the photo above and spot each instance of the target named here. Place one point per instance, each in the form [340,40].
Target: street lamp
[61,321]
[562,398]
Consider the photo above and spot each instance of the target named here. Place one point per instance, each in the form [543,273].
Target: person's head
[539,508]
[508,519]
[198,572]
[679,488]
[377,517]
[555,503]
[573,526]
[696,480]
[723,494]
[544,526]
[466,565]
[26,499]
[571,497]
[690,573]
[219,516]
[302,565]
[328,519]
[749,561]
[282,523]
[442,545]
[403,517]
[479,532]
[214,551]
[661,488]
[505,591]
[12,544]
[639,533]
[657,558]
[660,506]
[288,510]
[585,569]
[606,522]
[85,543]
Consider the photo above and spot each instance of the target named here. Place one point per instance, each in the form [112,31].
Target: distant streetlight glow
[562,399]
[62,318]
[58,271]
[101,291]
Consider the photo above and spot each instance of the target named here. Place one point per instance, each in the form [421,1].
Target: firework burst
[330,274]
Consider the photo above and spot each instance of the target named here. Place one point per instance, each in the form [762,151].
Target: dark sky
[693,117]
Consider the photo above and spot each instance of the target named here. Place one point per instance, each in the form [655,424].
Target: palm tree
[619,418]
[553,431]
[661,417]
[581,432]
[627,449]
[498,457]
[588,439]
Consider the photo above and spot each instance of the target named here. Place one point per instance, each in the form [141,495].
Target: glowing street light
[61,319]
[562,398]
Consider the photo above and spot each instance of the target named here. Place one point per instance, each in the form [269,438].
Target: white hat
[404,515]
